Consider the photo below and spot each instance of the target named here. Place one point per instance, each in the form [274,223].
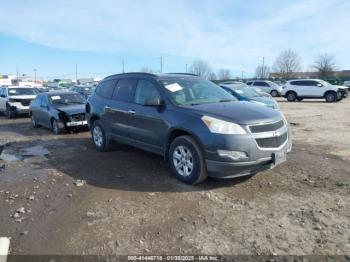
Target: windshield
[88,89]
[22,92]
[325,83]
[246,91]
[195,91]
[66,99]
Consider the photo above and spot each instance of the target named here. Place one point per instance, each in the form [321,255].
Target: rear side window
[145,90]
[260,84]
[106,88]
[124,90]
[1,91]
[296,83]
[304,83]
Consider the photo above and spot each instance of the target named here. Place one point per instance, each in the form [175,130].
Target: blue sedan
[245,93]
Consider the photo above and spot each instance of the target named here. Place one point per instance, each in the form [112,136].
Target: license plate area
[78,123]
[279,157]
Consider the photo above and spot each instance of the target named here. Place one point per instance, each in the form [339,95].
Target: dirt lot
[130,203]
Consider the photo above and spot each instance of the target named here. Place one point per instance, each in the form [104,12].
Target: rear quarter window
[125,90]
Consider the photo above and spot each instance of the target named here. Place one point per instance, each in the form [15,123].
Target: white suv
[266,86]
[16,100]
[313,88]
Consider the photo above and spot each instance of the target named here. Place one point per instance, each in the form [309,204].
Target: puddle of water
[10,157]
[34,151]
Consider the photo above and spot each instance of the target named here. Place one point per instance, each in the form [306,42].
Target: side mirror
[154,102]
[2,96]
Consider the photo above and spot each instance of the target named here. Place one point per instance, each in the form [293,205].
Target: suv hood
[240,112]
[268,101]
[23,97]
[71,109]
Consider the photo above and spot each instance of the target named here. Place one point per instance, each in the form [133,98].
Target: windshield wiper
[226,100]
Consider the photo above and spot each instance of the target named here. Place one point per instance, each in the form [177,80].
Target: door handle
[132,112]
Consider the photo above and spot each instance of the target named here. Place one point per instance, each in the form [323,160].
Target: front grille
[267,127]
[24,102]
[272,142]
[78,117]
[344,92]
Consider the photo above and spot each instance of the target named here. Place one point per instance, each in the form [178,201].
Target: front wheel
[331,97]
[186,160]
[9,113]
[56,129]
[99,137]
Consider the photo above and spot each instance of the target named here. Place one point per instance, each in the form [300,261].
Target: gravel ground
[60,196]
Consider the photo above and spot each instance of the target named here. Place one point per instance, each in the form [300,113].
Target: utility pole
[186,67]
[34,75]
[242,74]
[76,73]
[263,68]
[123,66]
[17,73]
[161,64]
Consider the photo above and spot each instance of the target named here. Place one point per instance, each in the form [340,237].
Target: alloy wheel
[183,160]
[97,136]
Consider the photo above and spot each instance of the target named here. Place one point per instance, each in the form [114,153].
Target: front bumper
[344,92]
[18,108]
[259,159]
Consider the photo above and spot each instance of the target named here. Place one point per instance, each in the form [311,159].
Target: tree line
[287,63]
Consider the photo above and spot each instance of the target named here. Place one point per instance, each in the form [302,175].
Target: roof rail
[131,73]
[188,74]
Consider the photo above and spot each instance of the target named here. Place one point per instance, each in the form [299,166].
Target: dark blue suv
[194,124]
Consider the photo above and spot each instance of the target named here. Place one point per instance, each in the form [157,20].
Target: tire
[186,160]
[291,96]
[98,135]
[10,114]
[55,127]
[274,93]
[34,123]
[300,99]
[331,97]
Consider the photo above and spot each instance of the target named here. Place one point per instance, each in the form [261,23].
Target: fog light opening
[234,155]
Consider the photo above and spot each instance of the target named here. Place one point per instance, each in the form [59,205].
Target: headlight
[276,105]
[222,127]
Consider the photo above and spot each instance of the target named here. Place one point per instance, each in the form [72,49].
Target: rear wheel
[56,129]
[99,137]
[331,97]
[186,160]
[291,96]
[274,93]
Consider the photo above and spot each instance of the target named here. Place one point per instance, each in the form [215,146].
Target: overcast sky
[53,36]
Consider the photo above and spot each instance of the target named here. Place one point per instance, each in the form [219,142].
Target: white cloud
[231,35]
